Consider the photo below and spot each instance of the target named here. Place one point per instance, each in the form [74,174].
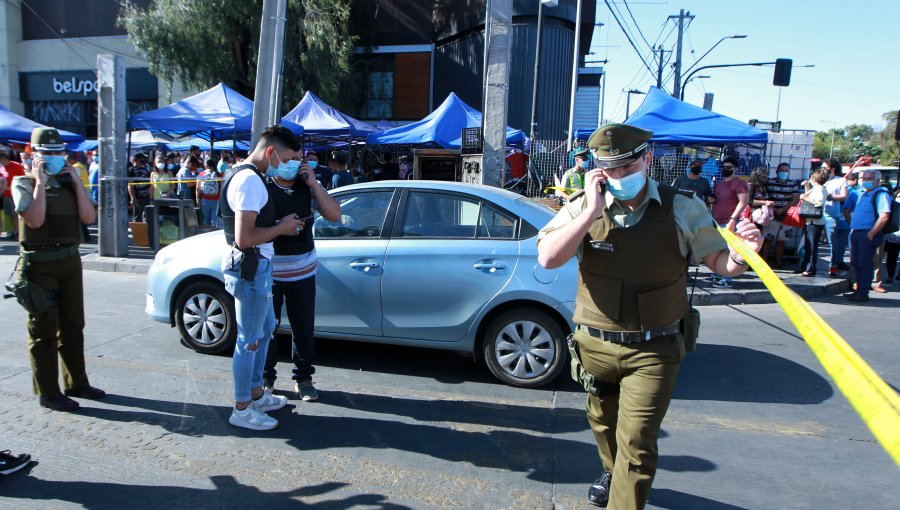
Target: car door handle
[491,265]
[364,265]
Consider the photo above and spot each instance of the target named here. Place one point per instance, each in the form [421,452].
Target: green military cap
[582,153]
[615,145]
[47,139]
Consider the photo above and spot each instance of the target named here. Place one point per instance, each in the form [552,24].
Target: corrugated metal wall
[458,66]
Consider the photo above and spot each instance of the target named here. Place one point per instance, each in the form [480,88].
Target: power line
[636,24]
[626,35]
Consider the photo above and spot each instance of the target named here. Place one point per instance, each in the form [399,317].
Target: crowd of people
[819,209]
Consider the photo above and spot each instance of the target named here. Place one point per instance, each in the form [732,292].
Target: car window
[496,224]
[362,215]
[437,215]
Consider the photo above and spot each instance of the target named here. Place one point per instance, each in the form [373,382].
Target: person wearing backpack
[892,246]
[867,230]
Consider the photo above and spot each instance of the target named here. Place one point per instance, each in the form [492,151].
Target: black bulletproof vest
[295,200]
[265,218]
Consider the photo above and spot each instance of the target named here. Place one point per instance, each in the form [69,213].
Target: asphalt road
[755,423]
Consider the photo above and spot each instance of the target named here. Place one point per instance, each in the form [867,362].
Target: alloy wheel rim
[524,349]
[204,319]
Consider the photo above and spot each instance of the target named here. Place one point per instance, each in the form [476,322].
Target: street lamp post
[701,77]
[680,93]
[628,102]
[833,129]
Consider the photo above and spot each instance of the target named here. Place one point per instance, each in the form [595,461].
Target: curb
[94,262]
[818,287]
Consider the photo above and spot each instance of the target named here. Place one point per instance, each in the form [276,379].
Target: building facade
[48,62]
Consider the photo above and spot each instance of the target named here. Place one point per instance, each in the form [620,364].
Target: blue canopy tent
[183,145]
[219,111]
[17,128]
[675,122]
[441,128]
[321,120]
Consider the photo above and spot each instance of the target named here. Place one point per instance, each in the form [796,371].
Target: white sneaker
[269,402]
[252,418]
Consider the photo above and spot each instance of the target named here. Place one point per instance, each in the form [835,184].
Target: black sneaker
[598,494]
[10,463]
[59,402]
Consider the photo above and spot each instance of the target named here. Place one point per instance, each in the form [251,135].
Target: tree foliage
[203,42]
[857,140]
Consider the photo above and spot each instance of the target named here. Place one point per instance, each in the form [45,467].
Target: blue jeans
[862,253]
[209,208]
[837,231]
[255,325]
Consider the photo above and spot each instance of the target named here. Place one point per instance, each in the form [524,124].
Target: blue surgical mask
[867,185]
[95,159]
[783,176]
[171,166]
[54,164]
[313,164]
[628,187]
[288,171]
[583,164]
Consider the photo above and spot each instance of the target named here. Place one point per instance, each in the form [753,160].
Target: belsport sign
[75,86]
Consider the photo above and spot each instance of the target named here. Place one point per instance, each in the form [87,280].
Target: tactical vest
[265,218]
[61,223]
[297,200]
[633,279]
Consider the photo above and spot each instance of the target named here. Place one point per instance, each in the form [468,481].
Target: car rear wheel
[204,314]
[524,348]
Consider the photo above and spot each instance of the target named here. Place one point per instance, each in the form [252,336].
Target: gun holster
[590,383]
[33,298]
[249,263]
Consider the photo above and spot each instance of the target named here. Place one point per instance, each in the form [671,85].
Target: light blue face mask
[867,185]
[783,176]
[288,171]
[54,164]
[313,164]
[628,187]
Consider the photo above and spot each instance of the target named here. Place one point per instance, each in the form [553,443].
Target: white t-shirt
[833,187]
[246,192]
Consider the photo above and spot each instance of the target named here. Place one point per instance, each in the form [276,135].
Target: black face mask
[727,172]
[696,170]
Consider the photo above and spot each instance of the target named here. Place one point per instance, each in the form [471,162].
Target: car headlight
[163,257]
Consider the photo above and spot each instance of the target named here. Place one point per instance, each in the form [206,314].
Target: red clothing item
[517,163]
[727,199]
[11,170]
[209,185]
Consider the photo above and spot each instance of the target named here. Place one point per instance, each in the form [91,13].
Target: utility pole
[498,34]
[659,71]
[676,89]
[537,67]
[268,63]
[570,136]
[112,112]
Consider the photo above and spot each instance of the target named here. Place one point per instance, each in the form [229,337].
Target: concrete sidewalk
[746,289]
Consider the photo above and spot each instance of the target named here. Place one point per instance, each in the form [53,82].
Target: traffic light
[782,76]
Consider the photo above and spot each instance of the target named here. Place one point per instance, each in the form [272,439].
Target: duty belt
[47,252]
[631,337]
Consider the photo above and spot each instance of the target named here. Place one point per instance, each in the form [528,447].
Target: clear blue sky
[853,45]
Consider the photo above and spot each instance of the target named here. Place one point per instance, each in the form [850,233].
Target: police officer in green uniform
[633,238]
[573,179]
[53,204]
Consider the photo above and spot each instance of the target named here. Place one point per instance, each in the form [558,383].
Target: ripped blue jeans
[255,325]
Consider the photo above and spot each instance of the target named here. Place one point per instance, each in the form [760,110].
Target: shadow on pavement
[538,419]
[228,493]
[738,374]
[667,498]
[510,450]
[685,463]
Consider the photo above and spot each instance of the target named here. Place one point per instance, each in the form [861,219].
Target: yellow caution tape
[877,403]
[560,188]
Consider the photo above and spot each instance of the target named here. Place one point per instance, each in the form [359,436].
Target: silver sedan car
[419,263]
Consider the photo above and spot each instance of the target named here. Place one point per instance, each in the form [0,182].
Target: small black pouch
[249,263]
[690,329]
[33,298]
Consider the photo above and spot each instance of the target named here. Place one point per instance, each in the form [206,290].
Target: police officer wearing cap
[53,205]
[573,179]
[633,238]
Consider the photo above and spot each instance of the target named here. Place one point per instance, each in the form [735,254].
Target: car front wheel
[204,315]
[525,348]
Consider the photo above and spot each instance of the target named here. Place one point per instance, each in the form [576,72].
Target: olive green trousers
[626,420]
[56,337]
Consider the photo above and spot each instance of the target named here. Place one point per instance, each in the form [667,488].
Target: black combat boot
[598,494]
